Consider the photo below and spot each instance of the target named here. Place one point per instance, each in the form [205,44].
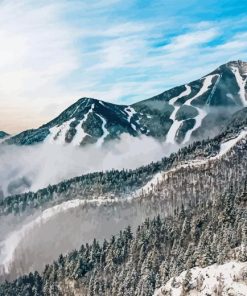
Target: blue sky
[54,52]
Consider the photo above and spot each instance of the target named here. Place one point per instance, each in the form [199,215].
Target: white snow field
[225,280]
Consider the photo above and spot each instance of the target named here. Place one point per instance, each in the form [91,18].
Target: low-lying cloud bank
[24,168]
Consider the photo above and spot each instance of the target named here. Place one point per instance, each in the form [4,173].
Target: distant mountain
[196,110]
[3,135]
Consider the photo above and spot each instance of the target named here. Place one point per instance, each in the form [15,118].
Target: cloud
[191,39]
[38,166]
[55,52]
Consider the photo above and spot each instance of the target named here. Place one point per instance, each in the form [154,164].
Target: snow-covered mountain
[193,111]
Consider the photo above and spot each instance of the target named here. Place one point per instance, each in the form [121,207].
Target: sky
[54,52]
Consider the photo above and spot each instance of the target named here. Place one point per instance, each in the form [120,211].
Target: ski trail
[130,112]
[241,84]
[58,133]
[170,137]
[201,113]
[80,133]
[100,141]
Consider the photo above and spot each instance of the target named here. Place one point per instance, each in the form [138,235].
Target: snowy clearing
[227,279]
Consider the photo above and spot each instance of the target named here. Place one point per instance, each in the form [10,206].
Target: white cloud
[191,39]
[57,52]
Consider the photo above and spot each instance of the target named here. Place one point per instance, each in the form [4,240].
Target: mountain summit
[178,115]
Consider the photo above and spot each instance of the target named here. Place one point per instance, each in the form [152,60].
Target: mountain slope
[126,182]
[101,204]
[3,135]
[225,279]
[178,115]
[159,250]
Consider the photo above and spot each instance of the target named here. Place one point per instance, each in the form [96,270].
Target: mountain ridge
[178,115]
[3,134]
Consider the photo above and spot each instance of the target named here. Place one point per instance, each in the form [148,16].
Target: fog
[52,232]
[24,168]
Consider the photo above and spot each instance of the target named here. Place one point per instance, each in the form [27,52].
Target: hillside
[178,115]
[3,134]
[125,183]
[196,174]
[160,249]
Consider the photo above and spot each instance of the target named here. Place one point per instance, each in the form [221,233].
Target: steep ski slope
[178,115]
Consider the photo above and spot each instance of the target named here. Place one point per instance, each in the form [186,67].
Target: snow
[10,244]
[214,88]
[80,133]
[226,146]
[201,113]
[130,112]
[133,126]
[150,184]
[241,83]
[170,137]
[100,141]
[58,132]
[231,275]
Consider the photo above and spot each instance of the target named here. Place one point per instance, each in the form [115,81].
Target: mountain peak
[240,65]
[178,115]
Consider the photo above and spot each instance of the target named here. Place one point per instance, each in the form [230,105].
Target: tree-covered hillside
[137,264]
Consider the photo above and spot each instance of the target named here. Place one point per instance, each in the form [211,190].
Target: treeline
[137,264]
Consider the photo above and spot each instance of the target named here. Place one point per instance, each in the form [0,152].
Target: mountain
[99,205]
[3,135]
[172,227]
[196,110]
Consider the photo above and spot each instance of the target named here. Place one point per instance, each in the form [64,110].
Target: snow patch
[150,184]
[226,146]
[130,112]
[226,279]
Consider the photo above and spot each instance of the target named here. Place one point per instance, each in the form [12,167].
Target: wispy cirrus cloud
[55,52]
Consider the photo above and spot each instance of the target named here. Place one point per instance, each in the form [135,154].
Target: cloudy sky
[54,52]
